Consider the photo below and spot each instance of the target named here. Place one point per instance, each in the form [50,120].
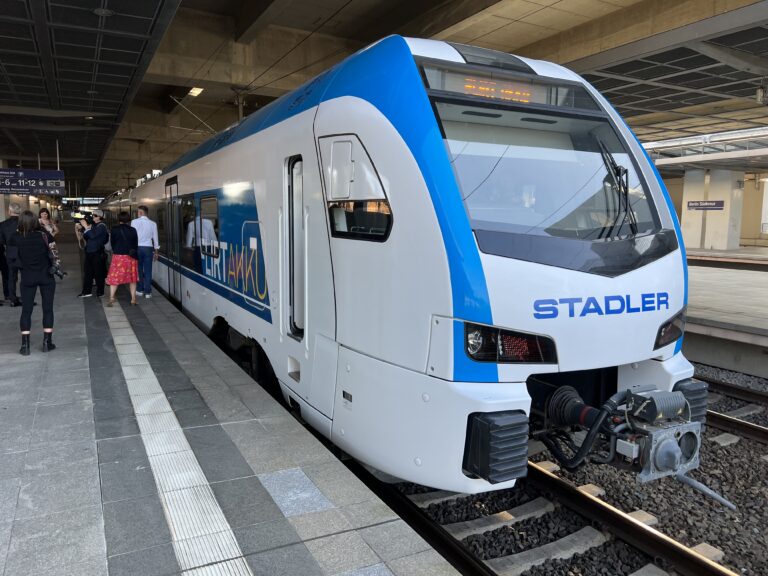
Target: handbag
[108,243]
[54,264]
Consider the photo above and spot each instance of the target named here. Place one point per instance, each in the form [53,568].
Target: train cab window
[361,220]
[190,251]
[208,226]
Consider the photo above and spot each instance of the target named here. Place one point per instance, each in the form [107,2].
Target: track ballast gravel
[726,405]
[737,472]
[479,505]
[525,535]
[614,558]
[737,378]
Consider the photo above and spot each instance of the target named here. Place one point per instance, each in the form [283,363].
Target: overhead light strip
[718,137]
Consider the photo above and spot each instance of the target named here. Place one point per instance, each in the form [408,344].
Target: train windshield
[530,172]
[543,174]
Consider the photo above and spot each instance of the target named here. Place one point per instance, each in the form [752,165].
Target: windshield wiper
[620,177]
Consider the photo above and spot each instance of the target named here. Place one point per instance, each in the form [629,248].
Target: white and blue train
[442,251]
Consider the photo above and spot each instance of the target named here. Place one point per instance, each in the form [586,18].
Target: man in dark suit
[96,236]
[9,271]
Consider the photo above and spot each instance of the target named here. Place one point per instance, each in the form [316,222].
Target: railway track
[730,423]
[734,390]
[603,523]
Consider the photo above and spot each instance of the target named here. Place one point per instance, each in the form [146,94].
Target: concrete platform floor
[756,254]
[729,299]
[138,448]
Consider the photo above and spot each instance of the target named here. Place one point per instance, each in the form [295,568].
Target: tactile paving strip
[193,512]
[150,403]
[163,422]
[133,372]
[202,538]
[165,442]
[229,568]
[144,386]
[203,550]
[177,470]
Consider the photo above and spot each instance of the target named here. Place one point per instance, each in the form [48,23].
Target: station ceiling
[68,71]
[110,79]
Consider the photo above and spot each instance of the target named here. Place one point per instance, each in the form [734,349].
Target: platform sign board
[23,181]
[706,205]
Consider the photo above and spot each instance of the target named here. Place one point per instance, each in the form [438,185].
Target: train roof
[388,52]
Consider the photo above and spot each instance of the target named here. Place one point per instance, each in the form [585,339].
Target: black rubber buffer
[496,448]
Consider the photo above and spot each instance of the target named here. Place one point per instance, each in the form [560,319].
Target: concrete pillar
[692,221]
[718,228]
[752,212]
[764,188]
[723,227]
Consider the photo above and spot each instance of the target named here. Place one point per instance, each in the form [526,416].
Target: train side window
[190,250]
[208,226]
[361,220]
[160,220]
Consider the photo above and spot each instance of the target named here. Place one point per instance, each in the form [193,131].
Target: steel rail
[435,535]
[735,391]
[737,426]
[651,541]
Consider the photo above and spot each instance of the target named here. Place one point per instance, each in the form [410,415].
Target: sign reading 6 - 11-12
[23,181]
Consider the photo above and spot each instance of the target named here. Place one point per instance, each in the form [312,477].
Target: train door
[173,238]
[307,305]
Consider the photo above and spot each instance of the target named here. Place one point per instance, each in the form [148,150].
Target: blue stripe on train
[220,290]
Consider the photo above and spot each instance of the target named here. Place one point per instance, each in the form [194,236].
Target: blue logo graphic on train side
[225,248]
[607,305]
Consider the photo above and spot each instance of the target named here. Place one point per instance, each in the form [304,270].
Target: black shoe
[24,350]
[15,303]
[84,295]
[48,344]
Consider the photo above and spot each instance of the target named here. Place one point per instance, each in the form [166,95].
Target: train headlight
[489,344]
[671,330]
[474,342]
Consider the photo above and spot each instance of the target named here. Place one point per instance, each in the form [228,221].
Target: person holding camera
[32,248]
[96,236]
[124,266]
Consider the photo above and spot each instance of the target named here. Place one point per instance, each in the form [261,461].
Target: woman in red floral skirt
[125,248]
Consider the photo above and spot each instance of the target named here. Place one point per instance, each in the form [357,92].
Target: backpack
[108,243]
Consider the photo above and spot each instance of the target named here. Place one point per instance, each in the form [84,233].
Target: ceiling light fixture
[105,12]
[89,117]
[195,92]
[91,92]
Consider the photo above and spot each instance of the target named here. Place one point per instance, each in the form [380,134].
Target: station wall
[754,209]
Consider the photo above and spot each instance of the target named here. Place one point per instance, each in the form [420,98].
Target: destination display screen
[505,89]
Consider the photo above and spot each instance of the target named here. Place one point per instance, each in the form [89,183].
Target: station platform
[137,447]
[753,257]
[734,300]
[727,321]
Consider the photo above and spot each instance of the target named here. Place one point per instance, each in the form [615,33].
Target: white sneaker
[148,296]
[139,293]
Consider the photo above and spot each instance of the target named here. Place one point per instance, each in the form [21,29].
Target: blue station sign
[23,181]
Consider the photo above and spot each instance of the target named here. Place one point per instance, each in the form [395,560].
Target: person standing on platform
[123,269]
[9,271]
[149,244]
[96,236]
[31,243]
[47,224]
